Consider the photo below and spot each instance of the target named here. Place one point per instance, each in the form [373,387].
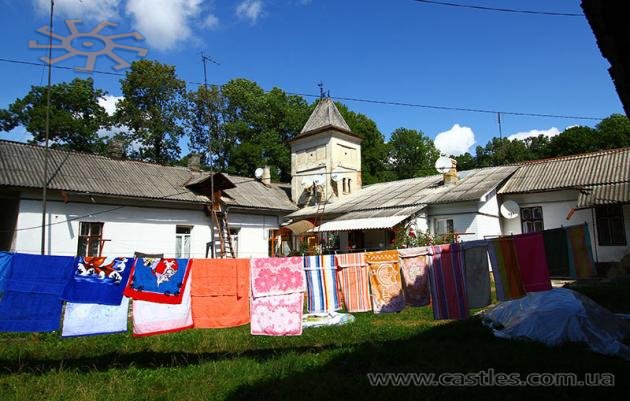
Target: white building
[98,205]
[592,188]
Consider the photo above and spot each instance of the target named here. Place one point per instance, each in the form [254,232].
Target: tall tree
[258,127]
[153,108]
[373,148]
[204,123]
[75,115]
[411,154]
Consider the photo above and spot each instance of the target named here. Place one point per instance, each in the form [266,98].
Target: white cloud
[108,102]
[456,141]
[553,131]
[249,9]
[84,9]
[211,21]
[164,23]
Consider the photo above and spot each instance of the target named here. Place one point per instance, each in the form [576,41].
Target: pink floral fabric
[278,315]
[277,298]
[277,276]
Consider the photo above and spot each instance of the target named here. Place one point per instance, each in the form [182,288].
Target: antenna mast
[204,61]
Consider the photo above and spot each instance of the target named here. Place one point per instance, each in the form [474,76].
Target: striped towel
[581,264]
[354,281]
[321,284]
[532,260]
[505,269]
[385,280]
[415,272]
[447,281]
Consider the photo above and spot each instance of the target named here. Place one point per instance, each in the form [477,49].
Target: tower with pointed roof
[326,147]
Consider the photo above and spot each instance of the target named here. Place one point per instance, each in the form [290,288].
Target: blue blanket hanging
[32,299]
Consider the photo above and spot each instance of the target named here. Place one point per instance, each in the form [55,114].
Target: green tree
[153,108]
[465,161]
[204,123]
[613,132]
[411,154]
[75,115]
[374,150]
[258,127]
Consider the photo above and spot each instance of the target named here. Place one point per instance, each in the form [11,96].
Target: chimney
[115,149]
[194,162]
[450,177]
[266,177]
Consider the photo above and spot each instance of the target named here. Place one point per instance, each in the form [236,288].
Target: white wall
[556,207]
[130,229]
[253,236]
[475,219]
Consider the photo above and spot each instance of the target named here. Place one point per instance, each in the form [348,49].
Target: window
[346,185]
[611,229]
[182,242]
[90,239]
[532,219]
[444,226]
[234,236]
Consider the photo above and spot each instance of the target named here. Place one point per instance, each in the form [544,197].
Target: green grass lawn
[322,364]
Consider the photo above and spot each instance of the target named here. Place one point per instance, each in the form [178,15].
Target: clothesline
[269,293]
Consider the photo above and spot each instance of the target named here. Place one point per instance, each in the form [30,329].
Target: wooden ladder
[221,223]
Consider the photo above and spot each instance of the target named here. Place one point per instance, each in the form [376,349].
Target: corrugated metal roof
[608,194]
[473,184]
[604,167]
[251,193]
[21,165]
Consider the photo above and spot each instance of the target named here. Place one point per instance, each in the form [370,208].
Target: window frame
[436,224]
[532,220]
[85,241]
[617,217]
[180,252]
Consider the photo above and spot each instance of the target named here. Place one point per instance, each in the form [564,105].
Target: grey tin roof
[597,168]
[473,184]
[21,166]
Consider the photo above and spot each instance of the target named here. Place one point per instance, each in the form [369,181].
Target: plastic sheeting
[558,316]
[326,319]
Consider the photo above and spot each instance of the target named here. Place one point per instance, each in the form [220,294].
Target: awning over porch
[369,219]
[300,226]
[605,194]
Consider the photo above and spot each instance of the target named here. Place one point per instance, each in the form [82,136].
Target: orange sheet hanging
[220,293]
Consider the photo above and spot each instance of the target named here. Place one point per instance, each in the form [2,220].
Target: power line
[504,10]
[362,100]
[436,107]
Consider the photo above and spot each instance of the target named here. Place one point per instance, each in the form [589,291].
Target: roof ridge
[80,152]
[574,156]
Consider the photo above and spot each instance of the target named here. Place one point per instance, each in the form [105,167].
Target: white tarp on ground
[558,316]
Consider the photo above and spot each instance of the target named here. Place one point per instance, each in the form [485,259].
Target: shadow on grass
[145,359]
[464,346]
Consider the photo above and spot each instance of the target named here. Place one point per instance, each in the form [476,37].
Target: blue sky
[398,50]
